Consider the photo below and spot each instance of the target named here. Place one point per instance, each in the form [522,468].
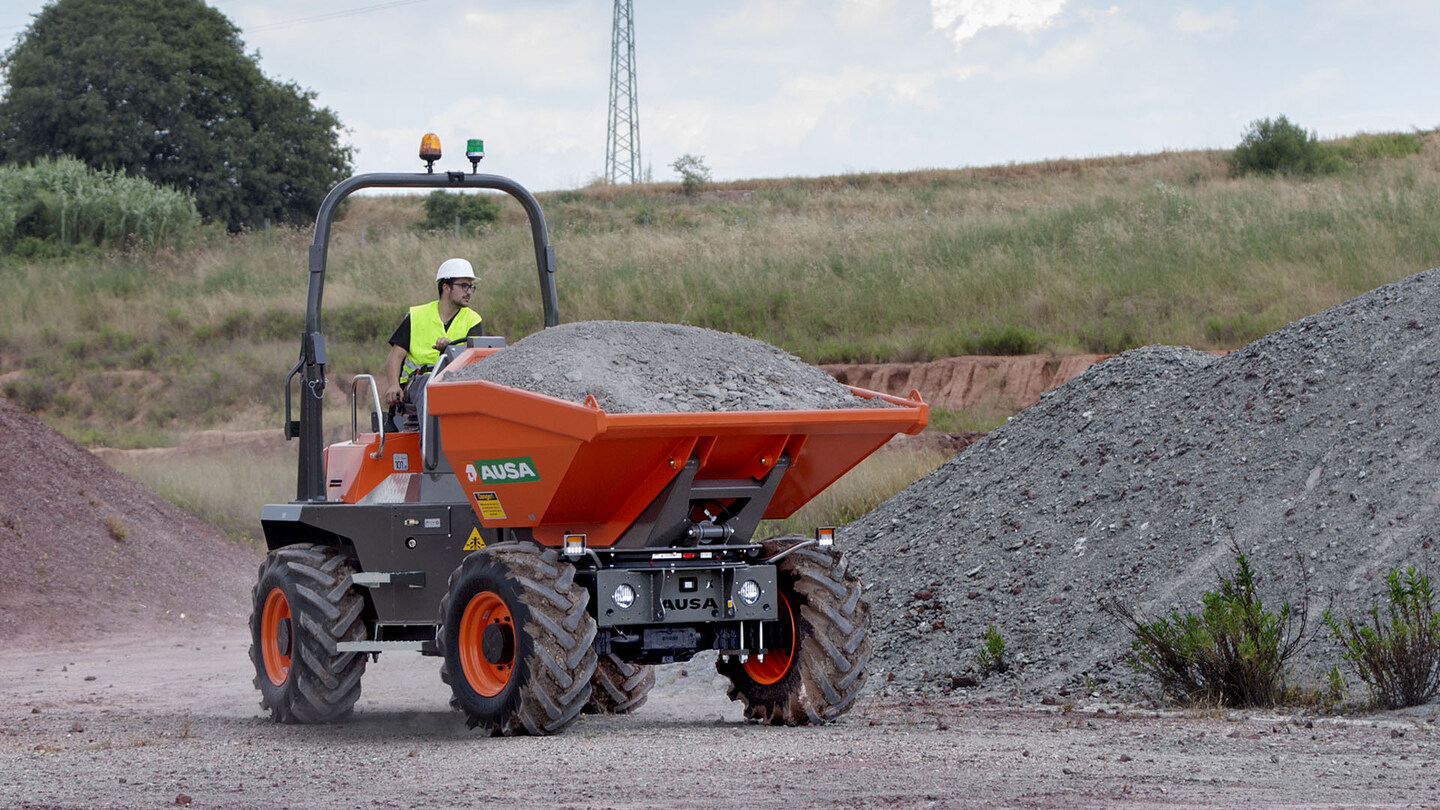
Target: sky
[783,88]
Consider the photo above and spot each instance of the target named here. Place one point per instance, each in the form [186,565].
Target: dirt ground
[159,720]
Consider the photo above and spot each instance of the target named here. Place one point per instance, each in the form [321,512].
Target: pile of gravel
[637,367]
[1315,450]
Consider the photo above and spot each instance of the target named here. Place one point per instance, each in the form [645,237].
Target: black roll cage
[309,428]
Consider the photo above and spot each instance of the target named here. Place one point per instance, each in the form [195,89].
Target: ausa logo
[504,471]
[689,604]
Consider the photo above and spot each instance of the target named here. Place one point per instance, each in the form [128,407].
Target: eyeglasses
[467,286]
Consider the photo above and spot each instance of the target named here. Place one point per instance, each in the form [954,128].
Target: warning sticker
[490,508]
[476,542]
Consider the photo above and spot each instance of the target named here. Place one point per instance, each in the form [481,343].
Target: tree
[693,172]
[163,89]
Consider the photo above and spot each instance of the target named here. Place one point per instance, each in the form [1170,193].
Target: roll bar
[309,428]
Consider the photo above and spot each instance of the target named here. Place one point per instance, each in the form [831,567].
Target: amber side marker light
[574,545]
[430,151]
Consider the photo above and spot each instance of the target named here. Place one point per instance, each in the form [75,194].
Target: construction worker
[428,328]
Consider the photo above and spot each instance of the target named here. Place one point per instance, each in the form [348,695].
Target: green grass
[1097,255]
[982,420]
[225,487]
[857,492]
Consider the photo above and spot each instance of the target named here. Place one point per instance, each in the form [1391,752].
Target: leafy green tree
[693,172]
[163,89]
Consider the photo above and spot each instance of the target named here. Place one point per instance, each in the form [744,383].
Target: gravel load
[640,367]
[1314,450]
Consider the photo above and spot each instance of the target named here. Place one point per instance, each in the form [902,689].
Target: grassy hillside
[138,348]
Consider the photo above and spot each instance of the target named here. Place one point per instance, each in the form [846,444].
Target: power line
[333,15]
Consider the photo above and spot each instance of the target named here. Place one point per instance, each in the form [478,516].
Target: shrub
[1281,147]
[31,395]
[116,529]
[443,209]
[1398,655]
[1008,340]
[991,657]
[1108,337]
[1382,146]
[363,323]
[1233,654]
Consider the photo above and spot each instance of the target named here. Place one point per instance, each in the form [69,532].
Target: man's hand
[441,343]
[393,394]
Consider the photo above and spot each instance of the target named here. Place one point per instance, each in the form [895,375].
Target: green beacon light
[475,151]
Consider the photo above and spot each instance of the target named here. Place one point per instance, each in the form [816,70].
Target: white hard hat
[454,268]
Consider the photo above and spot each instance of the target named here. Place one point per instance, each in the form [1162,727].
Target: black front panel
[418,545]
[683,595]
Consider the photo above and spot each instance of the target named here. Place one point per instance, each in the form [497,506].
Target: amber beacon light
[430,151]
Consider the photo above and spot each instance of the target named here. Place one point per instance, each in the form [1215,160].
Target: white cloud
[544,46]
[762,20]
[920,89]
[969,17]
[1099,13]
[865,13]
[1069,57]
[1193,21]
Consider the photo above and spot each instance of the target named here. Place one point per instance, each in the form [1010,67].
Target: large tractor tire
[819,646]
[619,687]
[517,640]
[303,606]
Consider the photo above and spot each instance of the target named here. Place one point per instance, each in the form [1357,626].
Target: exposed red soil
[990,384]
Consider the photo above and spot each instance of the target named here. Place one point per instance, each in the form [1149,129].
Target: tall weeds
[55,203]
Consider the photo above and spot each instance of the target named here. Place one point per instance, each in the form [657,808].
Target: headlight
[749,592]
[623,597]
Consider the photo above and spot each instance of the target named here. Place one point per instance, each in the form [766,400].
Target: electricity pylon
[622,137]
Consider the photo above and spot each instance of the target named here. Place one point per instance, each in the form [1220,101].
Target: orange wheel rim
[275,642]
[782,650]
[487,644]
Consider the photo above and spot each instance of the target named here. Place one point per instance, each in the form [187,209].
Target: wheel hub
[283,636]
[497,643]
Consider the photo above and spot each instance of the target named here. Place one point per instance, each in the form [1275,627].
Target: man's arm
[393,363]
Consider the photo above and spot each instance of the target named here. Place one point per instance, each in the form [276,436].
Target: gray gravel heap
[640,367]
[1316,449]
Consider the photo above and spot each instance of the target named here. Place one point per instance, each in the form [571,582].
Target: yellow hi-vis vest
[426,328]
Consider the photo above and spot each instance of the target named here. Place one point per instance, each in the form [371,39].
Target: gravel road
[161,721]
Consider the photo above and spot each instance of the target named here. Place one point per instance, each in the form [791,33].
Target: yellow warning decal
[490,508]
[475,543]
